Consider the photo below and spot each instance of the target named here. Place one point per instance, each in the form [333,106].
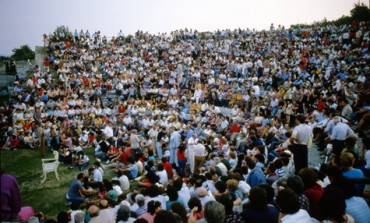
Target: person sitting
[131,170]
[81,161]
[214,212]
[76,192]
[257,208]
[289,206]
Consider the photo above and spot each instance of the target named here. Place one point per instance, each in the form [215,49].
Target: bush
[24,52]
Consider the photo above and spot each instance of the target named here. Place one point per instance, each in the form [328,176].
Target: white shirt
[223,168]
[163,177]
[341,131]
[124,183]
[301,216]
[108,131]
[97,176]
[302,132]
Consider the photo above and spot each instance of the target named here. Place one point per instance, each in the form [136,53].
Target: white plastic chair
[50,165]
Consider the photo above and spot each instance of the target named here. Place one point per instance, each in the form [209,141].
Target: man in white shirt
[199,156]
[192,142]
[300,139]
[340,132]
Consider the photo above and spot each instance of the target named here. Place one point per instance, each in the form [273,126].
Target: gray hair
[214,212]
[337,119]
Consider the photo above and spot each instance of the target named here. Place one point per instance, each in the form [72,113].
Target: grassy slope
[48,197]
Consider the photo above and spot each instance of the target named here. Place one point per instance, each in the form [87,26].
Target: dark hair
[178,208]
[177,184]
[172,193]
[250,162]
[80,176]
[153,191]
[287,201]
[257,199]
[220,186]
[152,206]
[195,202]
[270,192]
[260,157]
[227,201]
[301,118]
[308,176]
[333,204]
[296,184]
[160,167]
[165,217]
[62,217]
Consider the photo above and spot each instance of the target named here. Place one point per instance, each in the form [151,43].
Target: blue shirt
[256,177]
[74,189]
[189,134]
[341,131]
[358,209]
[134,170]
[355,174]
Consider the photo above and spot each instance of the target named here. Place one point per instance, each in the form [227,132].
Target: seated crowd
[203,127]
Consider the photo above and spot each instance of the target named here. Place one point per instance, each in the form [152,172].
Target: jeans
[83,166]
[181,167]
[173,156]
[101,154]
[159,150]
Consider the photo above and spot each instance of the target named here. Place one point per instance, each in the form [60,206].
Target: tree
[360,12]
[62,33]
[24,52]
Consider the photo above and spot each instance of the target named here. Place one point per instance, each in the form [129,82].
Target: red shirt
[321,106]
[14,143]
[234,128]
[123,158]
[128,151]
[181,155]
[167,166]
[314,195]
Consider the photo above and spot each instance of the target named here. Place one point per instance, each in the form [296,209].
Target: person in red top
[167,166]
[121,109]
[235,128]
[181,160]
[14,143]
[112,153]
[91,139]
[46,64]
[322,103]
[312,190]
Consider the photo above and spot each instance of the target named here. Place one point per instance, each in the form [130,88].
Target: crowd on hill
[202,127]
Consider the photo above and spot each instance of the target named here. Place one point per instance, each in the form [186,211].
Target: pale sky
[24,21]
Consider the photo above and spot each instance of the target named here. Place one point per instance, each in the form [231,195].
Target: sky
[24,21]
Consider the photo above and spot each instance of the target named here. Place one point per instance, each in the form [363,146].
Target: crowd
[203,127]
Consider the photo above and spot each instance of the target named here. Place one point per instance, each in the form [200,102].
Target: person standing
[174,144]
[199,156]
[162,133]
[135,142]
[41,137]
[300,138]
[192,142]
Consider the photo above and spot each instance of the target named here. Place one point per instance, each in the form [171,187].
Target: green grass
[48,197]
